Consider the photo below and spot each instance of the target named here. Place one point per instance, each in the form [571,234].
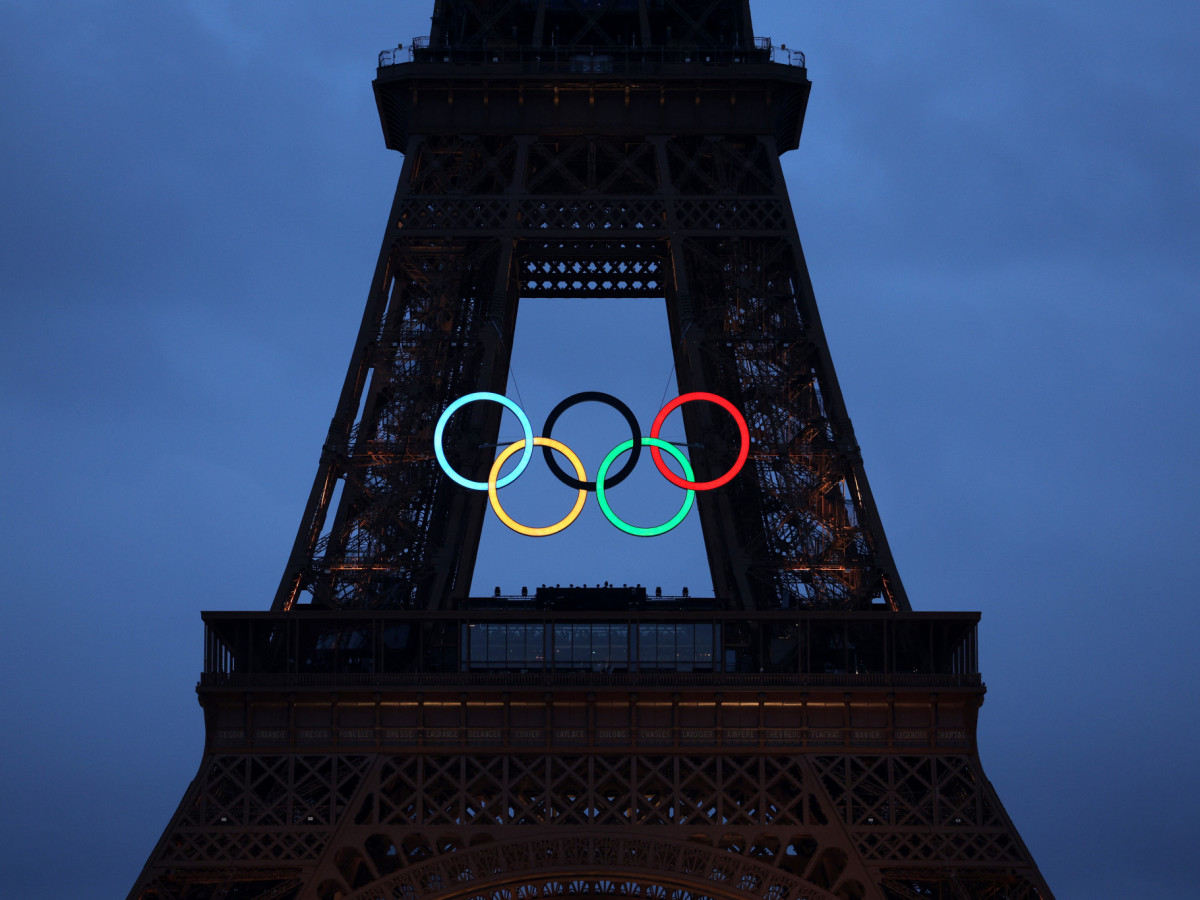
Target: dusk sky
[1000,210]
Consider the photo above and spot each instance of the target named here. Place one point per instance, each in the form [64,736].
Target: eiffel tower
[379,733]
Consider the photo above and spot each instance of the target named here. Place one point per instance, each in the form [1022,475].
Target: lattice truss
[595,198]
[750,826]
[425,352]
[759,340]
[703,222]
[379,513]
[808,544]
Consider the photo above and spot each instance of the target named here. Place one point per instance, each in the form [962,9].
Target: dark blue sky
[1000,206]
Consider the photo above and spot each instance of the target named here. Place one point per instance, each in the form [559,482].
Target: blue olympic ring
[526,429]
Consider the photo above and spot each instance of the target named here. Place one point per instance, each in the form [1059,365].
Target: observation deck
[540,641]
[660,674]
[501,88]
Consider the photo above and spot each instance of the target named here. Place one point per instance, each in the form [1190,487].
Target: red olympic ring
[716,482]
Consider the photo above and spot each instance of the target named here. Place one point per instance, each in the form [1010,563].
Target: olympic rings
[688,483]
[688,499]
[516,526]
[602,482]
[507,404]
[616,404]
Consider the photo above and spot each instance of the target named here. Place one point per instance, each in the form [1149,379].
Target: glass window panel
[353,651]
[704,647]
[647,646]
[783,652]
[685,643]
[535,645]
[395,637]
[581,656]
[600,651]
[618,645]
[400,648]
[515,647]
[562,646]
[476,643]
[828,647]
[496,652]
[666,646]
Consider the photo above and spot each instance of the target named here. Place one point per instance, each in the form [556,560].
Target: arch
[636,867]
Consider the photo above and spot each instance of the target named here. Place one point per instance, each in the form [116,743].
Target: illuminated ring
[526,428]
[686,482]
[616,404]
[654,443]
[493,485]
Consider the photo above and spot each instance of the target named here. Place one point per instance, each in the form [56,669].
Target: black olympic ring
[599,397]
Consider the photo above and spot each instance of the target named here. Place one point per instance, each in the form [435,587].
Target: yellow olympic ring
[495,498]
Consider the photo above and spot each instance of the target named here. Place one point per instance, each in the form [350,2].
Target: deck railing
[668,641]
[598,59]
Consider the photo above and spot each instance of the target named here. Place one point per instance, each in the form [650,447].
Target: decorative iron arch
[591,866]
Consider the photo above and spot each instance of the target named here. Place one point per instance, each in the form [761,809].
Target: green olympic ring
[637,530]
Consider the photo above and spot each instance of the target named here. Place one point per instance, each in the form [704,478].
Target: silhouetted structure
[381,734]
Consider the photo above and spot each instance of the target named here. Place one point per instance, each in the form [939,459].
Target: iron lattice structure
[380,734]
